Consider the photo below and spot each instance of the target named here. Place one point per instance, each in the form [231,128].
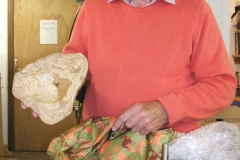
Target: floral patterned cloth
[94,140]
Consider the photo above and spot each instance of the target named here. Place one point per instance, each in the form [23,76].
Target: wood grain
[31,134]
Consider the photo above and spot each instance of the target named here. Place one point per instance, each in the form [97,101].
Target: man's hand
[143,118]
[25,107]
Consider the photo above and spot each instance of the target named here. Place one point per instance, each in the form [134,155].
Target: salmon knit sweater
[171,53]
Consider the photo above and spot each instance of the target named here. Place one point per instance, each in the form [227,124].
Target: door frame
[10,74]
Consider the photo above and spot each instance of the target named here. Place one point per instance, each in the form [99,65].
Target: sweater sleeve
[215,82]
[77,42]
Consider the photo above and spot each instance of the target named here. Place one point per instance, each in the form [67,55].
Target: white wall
[3,65]
[221,10]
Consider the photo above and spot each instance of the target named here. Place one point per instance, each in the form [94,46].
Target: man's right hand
[25,107]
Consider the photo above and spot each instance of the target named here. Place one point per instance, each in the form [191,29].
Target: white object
[48,32]
[49,85]
[216,141]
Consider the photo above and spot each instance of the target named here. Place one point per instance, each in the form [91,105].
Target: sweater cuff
[173,107]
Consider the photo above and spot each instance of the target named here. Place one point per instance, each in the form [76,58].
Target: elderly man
[153,63]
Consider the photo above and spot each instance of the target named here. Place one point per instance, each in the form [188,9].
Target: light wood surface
[236,58]
[237,99]
[230,114]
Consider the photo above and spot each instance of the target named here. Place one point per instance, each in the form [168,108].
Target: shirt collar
[169,1]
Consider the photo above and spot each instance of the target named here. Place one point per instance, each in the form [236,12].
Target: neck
[140,3]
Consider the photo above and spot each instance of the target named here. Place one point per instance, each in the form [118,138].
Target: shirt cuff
[174,108]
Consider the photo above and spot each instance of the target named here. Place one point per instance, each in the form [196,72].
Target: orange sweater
[173,53]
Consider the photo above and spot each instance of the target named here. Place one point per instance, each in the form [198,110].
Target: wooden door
[31,134]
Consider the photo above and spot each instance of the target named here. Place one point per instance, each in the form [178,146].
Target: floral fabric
[94,140]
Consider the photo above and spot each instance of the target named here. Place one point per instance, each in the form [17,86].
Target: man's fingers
[134,120]
[124,117]
[23,106]
[138,126]
[120,120]
[143,118]
[34,114]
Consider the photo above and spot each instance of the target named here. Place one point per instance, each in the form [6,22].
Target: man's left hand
[143,118]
